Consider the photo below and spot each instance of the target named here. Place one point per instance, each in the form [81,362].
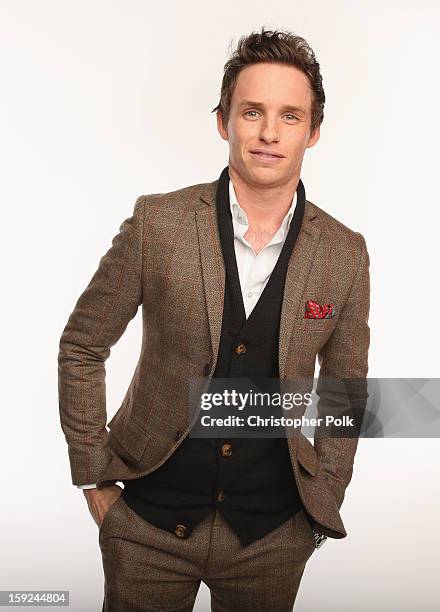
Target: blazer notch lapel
[213,271]
[298,270]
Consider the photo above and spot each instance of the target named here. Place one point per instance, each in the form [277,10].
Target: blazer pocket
[318,324]
[131,438]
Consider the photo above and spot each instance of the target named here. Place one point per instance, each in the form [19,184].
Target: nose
[269,132]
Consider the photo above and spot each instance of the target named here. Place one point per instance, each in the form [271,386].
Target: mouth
[264,156]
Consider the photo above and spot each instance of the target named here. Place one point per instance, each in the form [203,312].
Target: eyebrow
[296,109]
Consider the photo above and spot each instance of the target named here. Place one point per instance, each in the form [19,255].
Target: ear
[314,137]
[221,129]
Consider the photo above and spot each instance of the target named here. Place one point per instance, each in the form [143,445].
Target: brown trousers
[148,569]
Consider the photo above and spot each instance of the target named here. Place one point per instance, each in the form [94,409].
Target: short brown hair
[273,46]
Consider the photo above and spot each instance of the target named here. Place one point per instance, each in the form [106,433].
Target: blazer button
[180,531]
[206,369]
[221,496]
[226,450]
[240,348]
[178,434]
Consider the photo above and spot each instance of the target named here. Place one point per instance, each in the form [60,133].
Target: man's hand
[100,500]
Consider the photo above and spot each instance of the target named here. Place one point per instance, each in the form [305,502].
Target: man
[238,277]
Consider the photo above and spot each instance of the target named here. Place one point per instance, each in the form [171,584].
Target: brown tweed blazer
[167,256]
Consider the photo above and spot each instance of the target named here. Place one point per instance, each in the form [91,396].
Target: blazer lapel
[300,264]
[213,268]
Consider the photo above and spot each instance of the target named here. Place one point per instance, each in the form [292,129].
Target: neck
[265,206]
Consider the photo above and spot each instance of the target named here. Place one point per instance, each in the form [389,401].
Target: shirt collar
[240,220]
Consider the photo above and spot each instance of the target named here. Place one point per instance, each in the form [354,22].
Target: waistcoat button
[226,450]
[180,531]
[240,348]
[206,369]
[221,496]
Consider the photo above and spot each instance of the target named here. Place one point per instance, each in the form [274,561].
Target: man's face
[271,111]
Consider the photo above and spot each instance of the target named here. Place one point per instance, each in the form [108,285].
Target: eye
[250,111]
[290,115]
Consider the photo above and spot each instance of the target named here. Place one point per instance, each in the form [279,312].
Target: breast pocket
[318,325]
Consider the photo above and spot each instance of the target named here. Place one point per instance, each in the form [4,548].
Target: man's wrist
[98,486]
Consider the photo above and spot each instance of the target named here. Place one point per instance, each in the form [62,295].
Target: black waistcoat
[249,480]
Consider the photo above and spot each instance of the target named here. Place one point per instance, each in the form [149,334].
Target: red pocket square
[318,311]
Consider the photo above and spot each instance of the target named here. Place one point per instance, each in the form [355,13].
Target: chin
[265,174]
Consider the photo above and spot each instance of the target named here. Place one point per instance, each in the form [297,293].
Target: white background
[102,101]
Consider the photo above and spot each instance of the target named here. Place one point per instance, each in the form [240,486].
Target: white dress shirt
[254,270]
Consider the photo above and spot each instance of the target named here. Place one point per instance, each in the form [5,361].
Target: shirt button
[226,450]
[221,496]
[240,348]
[180,531]
[250,294]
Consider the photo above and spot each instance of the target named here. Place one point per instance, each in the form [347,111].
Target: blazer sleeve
[342,381]
[100,317]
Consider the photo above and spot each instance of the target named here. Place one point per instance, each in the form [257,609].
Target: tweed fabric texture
[148,569]
[167,258]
